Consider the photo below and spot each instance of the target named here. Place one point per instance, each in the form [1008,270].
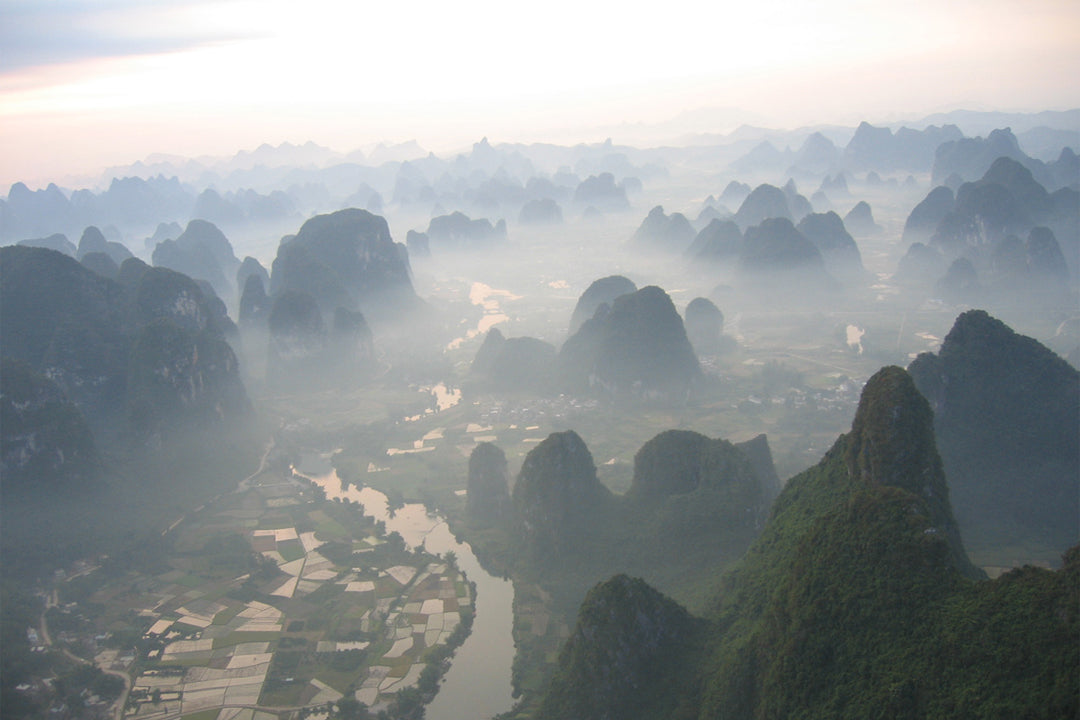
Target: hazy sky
[87,83]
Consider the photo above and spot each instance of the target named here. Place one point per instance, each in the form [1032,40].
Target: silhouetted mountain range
[877,148]
[659,231]
[457,232]
[1006,201]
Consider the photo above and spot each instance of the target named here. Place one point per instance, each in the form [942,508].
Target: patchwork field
[274,599]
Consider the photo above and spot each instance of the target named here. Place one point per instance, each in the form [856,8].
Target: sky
[85,84]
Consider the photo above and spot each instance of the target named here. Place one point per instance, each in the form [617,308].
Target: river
[478,683]
[487,298]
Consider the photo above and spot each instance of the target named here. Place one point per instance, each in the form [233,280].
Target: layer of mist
[588,360]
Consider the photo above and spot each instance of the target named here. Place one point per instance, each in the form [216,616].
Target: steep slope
[630,656]
[93,338]
[558,497]
[694,498]
[488,490]
[600,292]
[202,252]
[121,402]
[719,241]
[763,203]
[705,327]
[777,263]
[838,249]
[1006,201]
[346,259]
[513,363]
[638,347]
[179,377]
[662,232]
[1007,421]
[853,603]
[45,443]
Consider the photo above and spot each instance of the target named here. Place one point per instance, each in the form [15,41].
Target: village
[329,606]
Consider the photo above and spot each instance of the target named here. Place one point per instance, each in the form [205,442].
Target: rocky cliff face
[892,443]
[182,378]
[352,347]
[148,345]
[298,338]
[255,304]
[45,443]
[759,454]
[68,324]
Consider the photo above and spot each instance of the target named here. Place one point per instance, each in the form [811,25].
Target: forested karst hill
[854,601]
[1007,421]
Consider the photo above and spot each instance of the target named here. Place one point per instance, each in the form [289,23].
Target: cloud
[37,33]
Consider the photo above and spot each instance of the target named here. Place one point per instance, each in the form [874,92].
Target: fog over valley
[612,400]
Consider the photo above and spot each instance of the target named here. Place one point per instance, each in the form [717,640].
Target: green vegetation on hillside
[854,603]
[1007,423]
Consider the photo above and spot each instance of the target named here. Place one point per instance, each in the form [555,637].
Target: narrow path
[257,708]
[241,487]
[847,371]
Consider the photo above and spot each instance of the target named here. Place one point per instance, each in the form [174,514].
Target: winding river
[478,682]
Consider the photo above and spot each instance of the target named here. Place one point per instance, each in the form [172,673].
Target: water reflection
[486,297]
[478,682]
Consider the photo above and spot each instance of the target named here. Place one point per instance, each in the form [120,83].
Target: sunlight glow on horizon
[346,76]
